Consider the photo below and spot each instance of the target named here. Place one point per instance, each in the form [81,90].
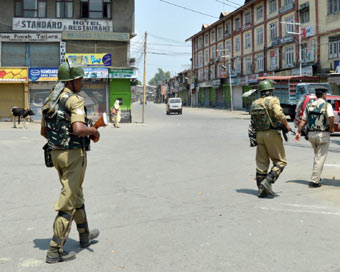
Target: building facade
[37,35]
[261,38]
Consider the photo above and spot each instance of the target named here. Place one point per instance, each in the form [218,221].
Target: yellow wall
[255,10]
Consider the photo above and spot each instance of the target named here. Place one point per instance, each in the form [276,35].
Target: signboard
[223,74]
[307,31]
[216,83]
[252,78]
[30,37]
[96,72]
[62,51]
[163,89]
[98,36]
[306,71]
[91,59]
[43,74]
[13,75]
[122,73]
[59,25]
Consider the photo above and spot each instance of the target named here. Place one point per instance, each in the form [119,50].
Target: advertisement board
[122,73]
[43,74]
[90,59]
[93,72]
[13,75]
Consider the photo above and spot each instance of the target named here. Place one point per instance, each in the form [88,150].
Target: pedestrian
[116,114]
[65,126]
[319,118]
[266,115]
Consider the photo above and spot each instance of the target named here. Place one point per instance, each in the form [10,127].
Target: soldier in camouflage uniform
[266,113]
[65,126]
[319,117]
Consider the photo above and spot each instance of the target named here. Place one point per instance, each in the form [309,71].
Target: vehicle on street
[289,90]
[334,100]
[174,105]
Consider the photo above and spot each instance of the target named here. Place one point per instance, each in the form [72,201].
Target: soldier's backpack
[259,117]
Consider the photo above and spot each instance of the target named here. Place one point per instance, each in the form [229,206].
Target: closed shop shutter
[45,54]
[13,54]
[10,95]
[220,97]
[206,97]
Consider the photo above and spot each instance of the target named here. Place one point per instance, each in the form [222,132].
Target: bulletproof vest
[259,116]
[59,128]
[317,117]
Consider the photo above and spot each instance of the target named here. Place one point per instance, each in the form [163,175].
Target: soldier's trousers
[71,167]
[270,147]
[320,143]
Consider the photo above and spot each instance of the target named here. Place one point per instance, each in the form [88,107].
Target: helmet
[68,73]
[266,85]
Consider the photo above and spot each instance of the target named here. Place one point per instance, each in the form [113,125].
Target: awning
[249,93]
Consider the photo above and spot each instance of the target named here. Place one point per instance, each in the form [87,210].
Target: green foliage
[159,77]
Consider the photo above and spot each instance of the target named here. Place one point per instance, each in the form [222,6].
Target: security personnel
[266,114]
[319,117]
[64,125]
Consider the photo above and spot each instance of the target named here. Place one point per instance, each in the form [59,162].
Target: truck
[289,89]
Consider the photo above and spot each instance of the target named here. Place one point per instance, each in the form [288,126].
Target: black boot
[87,237]
[54,256]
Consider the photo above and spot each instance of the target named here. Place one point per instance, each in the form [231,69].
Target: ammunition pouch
[47,156]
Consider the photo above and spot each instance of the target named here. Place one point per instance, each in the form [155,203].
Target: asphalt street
[176,193]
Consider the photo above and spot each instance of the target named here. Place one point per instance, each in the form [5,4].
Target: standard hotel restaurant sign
[59,25]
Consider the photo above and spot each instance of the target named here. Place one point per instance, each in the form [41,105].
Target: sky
[168,27]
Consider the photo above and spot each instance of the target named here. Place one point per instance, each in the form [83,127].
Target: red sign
[272,53]
[303,33]
[223,74]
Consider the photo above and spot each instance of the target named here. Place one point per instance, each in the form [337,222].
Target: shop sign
[216,83]
[305,71]
[43,74]
[96,72]
[163,89]
[13,74]
[62,51]
[287,39]
[223,74]
[30,37]
[98,36]
[307,31]
[192,86]
[59,25]
[252,78]
[91,59]
[122,73]
[205,84]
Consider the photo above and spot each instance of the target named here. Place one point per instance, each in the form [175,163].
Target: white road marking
[5,259]
[300,211]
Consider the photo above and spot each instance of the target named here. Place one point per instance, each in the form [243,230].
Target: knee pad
[275,173]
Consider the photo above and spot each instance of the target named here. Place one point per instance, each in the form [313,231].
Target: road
[176,193]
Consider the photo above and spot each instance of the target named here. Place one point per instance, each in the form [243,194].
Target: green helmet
[266,85]
[66,72]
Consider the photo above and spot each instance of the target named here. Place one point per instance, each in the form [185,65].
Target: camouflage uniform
[269,140]
[316,115]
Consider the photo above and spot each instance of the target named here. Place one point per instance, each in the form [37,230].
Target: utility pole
[300,49]
[229,72]
[144,83]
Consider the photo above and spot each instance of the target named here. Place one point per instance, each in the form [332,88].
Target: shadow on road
[304,182]
[70,245]
[247,191]
[325,182]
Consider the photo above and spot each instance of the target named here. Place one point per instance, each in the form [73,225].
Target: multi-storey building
[37,35]
[260,38]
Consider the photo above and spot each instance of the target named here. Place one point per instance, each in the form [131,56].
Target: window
[237,24]
[206,74]
[333,48]
[333,6]
[289,26]
[259,63]
[287,2]
[259,36]
[247,41]
[30,8]
[304,15]
[273,31]
[247,18]
[200,59]
[220,33]
[238,44]
[259,12]
[206,39]
[95,8]
[213,52]
[220,51]
[212,36]
[228,47]
[200,75]
[274,64]
[248,64]
[272,6]
[289,56]
[206,56]
[238,66]
[304,53]
[64,9]
[228,28]
[200,43]
[212,72]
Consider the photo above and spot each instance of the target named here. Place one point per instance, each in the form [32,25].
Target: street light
[230,86]
[294,33]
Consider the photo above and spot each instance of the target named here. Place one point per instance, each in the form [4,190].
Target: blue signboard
[43,74]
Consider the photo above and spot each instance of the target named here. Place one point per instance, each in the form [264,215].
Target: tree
[159,77]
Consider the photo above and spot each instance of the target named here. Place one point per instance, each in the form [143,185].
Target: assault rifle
[284,131]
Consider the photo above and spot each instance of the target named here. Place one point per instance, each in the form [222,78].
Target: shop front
[13,90]
[120,89]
